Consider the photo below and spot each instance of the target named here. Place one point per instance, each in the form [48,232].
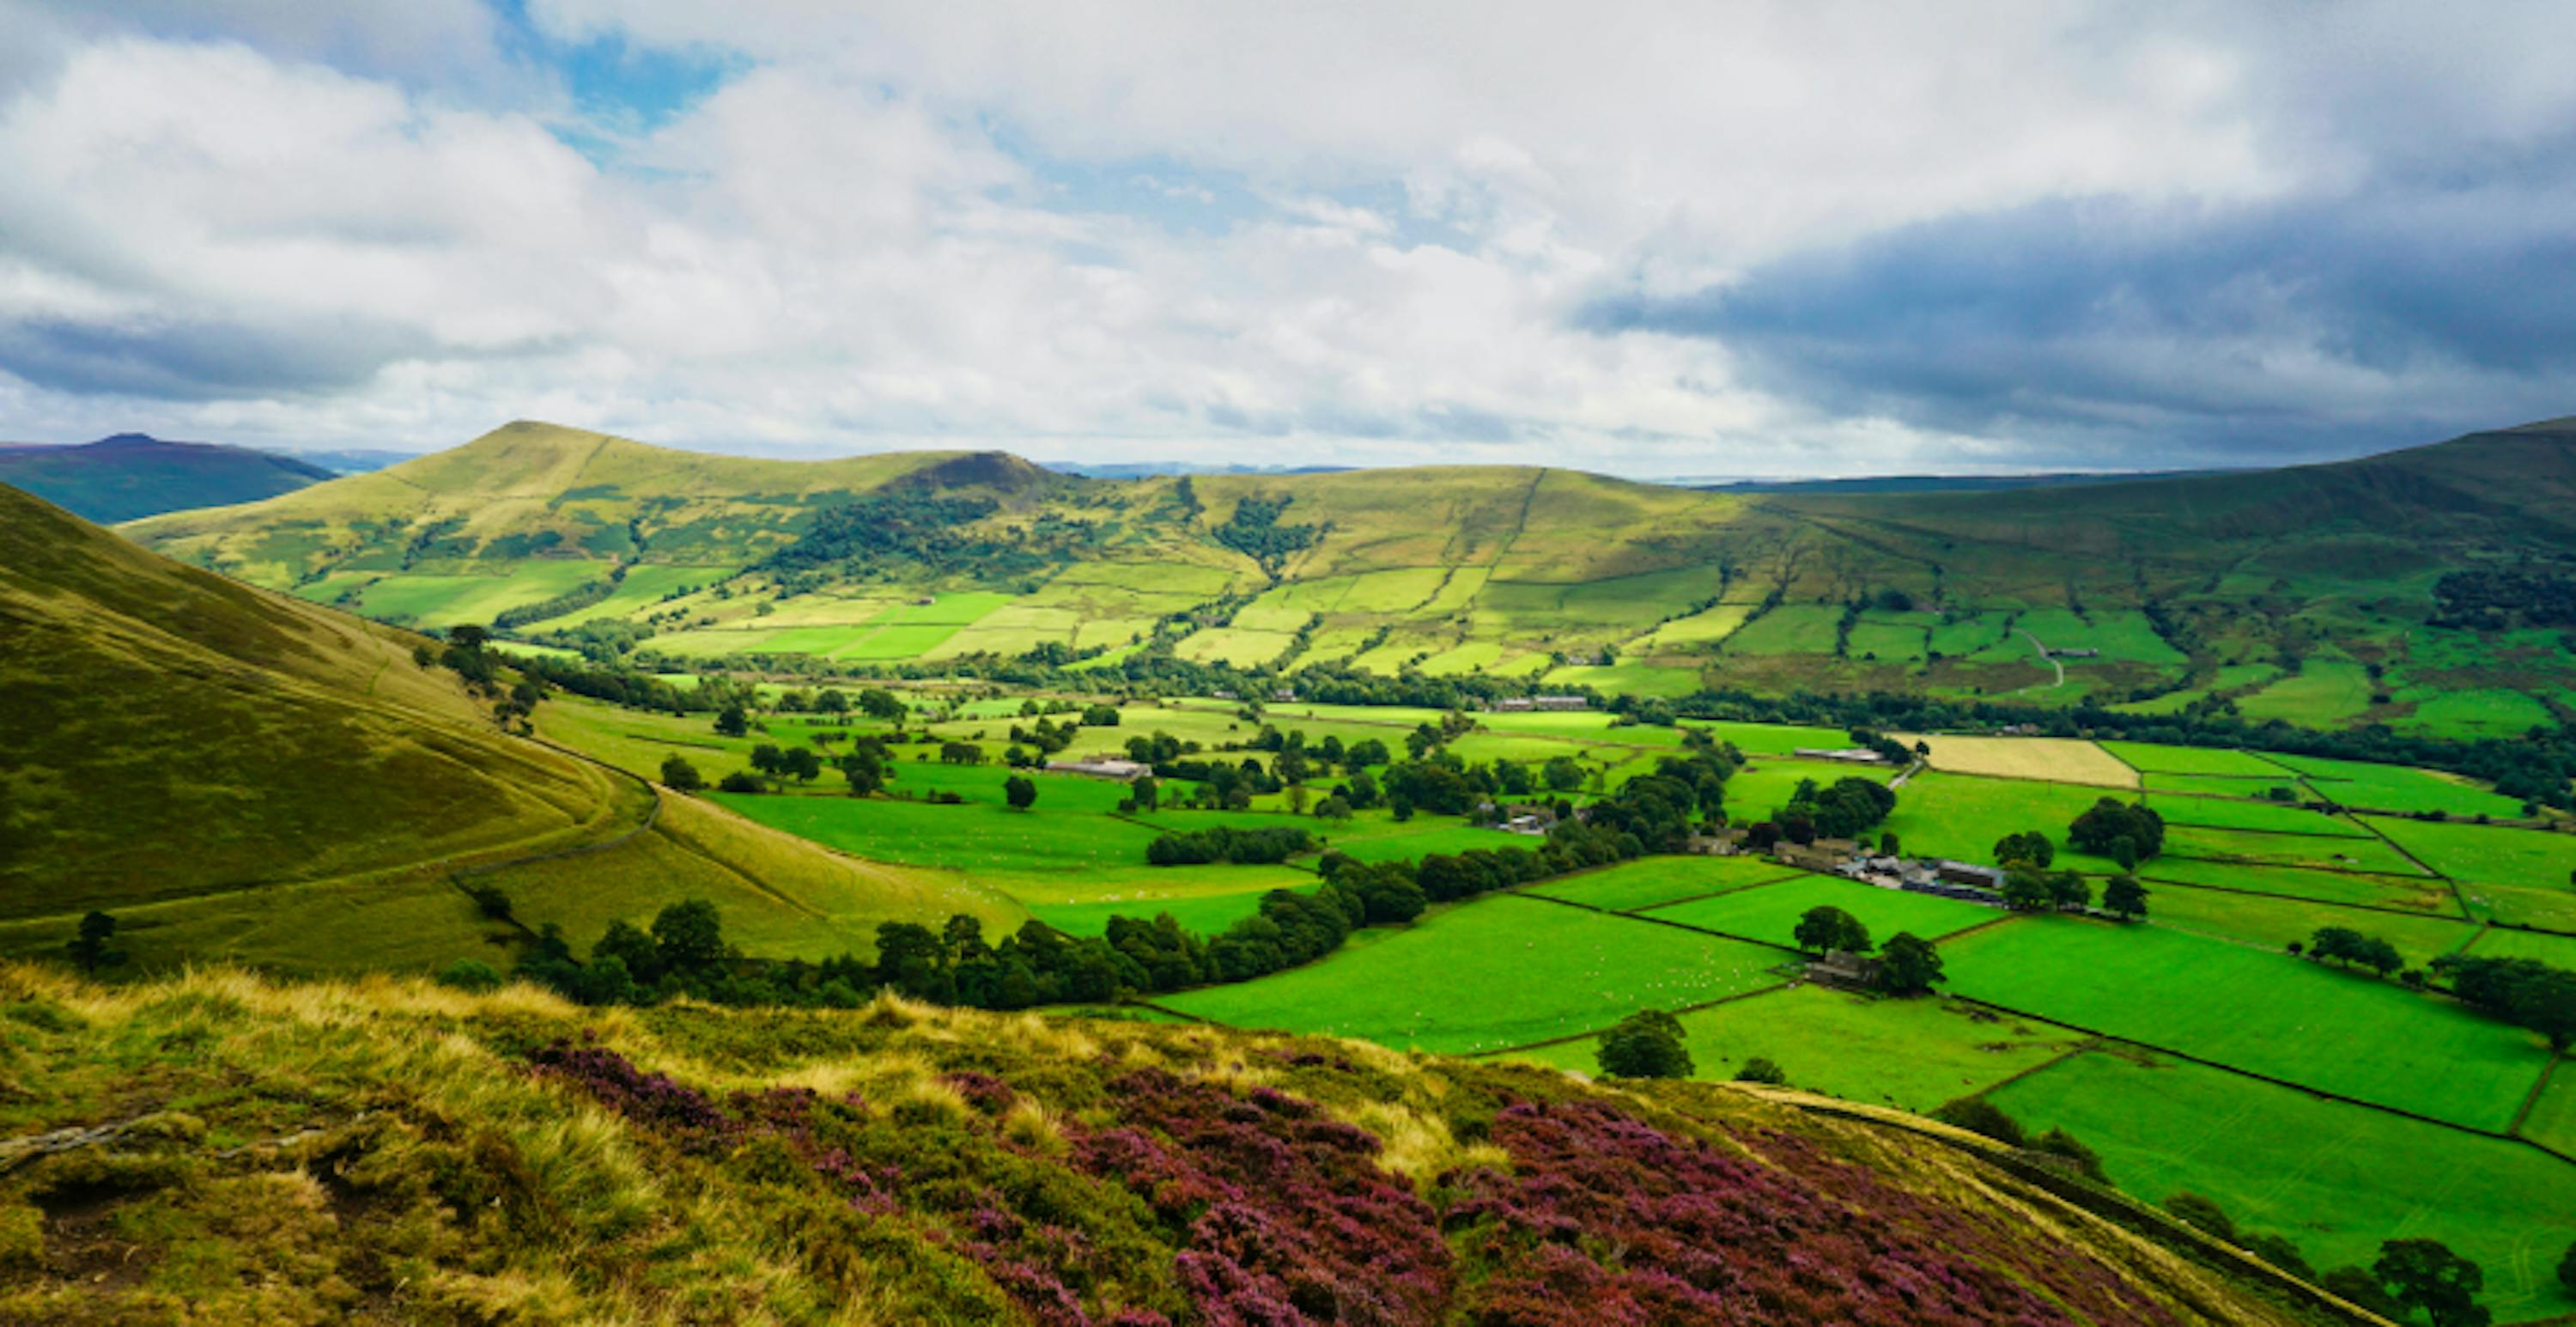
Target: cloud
[2301,328]
[1807,237]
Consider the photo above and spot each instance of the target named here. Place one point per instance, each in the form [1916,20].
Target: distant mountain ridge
[132,475]
[2308,592]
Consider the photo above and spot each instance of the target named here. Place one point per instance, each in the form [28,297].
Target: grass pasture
[1910,1054]
[2151,758]
[2412,893]
[2263,1012]
[1963,815]
[1770,739]
[2323,694]
[2181,810]
[2486,854]
[2399,788]
[1492,974]
[2047,759]
[1646,882]
[2274,922]
[2316,851]
[2336,1179]
[973,837]
[1629,679]
[1771,912]
[2227,785]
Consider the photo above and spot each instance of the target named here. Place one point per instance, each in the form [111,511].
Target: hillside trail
[2045,657]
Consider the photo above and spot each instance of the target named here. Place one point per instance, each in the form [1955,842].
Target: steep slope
[240,1151]
[527,490]
[252,775]
[130,475]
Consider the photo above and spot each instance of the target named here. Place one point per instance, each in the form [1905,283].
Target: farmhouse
[1817,858]
[1524,704]
[1841,967]
[1849,755]
[1100,767]
[2076,654]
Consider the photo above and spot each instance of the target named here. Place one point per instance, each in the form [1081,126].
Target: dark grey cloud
[201,360]
[2121,332]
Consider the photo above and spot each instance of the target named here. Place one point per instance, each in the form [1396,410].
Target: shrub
[2202,1214]
[1760,1070]
[1980,1116]
[470,974]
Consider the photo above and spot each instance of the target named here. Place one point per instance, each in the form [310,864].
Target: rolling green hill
[222,1148]
[2306,594]
[130,475]
[235,772]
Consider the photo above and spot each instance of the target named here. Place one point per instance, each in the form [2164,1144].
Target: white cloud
[283,222]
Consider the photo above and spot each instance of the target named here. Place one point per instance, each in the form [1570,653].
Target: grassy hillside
[238,1151]
[130,476]
[2304,594]
[234,772]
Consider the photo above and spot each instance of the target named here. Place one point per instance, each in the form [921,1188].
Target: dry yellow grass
[2054,759]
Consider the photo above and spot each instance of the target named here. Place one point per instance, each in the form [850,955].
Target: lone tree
[93,949]
[681,776]
[1827,927]
[1909,965]
[2028,848]
[1020,792]
[731,721]
[2424,1274]
[2124,896]
[689,936]
[1645,1044]
[1761,1070]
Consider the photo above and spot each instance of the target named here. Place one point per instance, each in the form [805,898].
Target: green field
[2413,893]
[1204,899]
[1771,913]
[2152,759]
[2486,854]
[2263,1012]
[1648,881]
[973,837]
[2180,811]
[446,600]
[2323,694]
[2322,852]
[2552,1122]
[2398,788]
[1910,1054]
[1488,975]
[2224,785]
[2336,1179]
[1963,815]
[2275,922]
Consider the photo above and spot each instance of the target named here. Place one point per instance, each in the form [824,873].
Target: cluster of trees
[573,600]
[683,952]
[1908,966]
[2521,990]
[2029,889]
[2500,598]
[1253,529]
[2125,832]
[932,530]
[1843,811]
[1227,843]
[1649,1044]
[2351,948]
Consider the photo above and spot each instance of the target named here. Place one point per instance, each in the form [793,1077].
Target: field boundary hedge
[2302,898]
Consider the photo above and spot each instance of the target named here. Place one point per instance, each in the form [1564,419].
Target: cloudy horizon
[1655,240]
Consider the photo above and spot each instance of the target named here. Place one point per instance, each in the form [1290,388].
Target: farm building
[1841,967]
[1816,858]
[1100,767]
[1524,704]
[1968,873]
[2076,654]
[1849,755]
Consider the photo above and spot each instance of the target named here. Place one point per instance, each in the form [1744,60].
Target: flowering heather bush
[652,1100]
[1181,1201]
[1282,1215]
[1608,1220]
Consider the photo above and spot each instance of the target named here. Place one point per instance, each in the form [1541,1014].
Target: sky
[1676,239]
